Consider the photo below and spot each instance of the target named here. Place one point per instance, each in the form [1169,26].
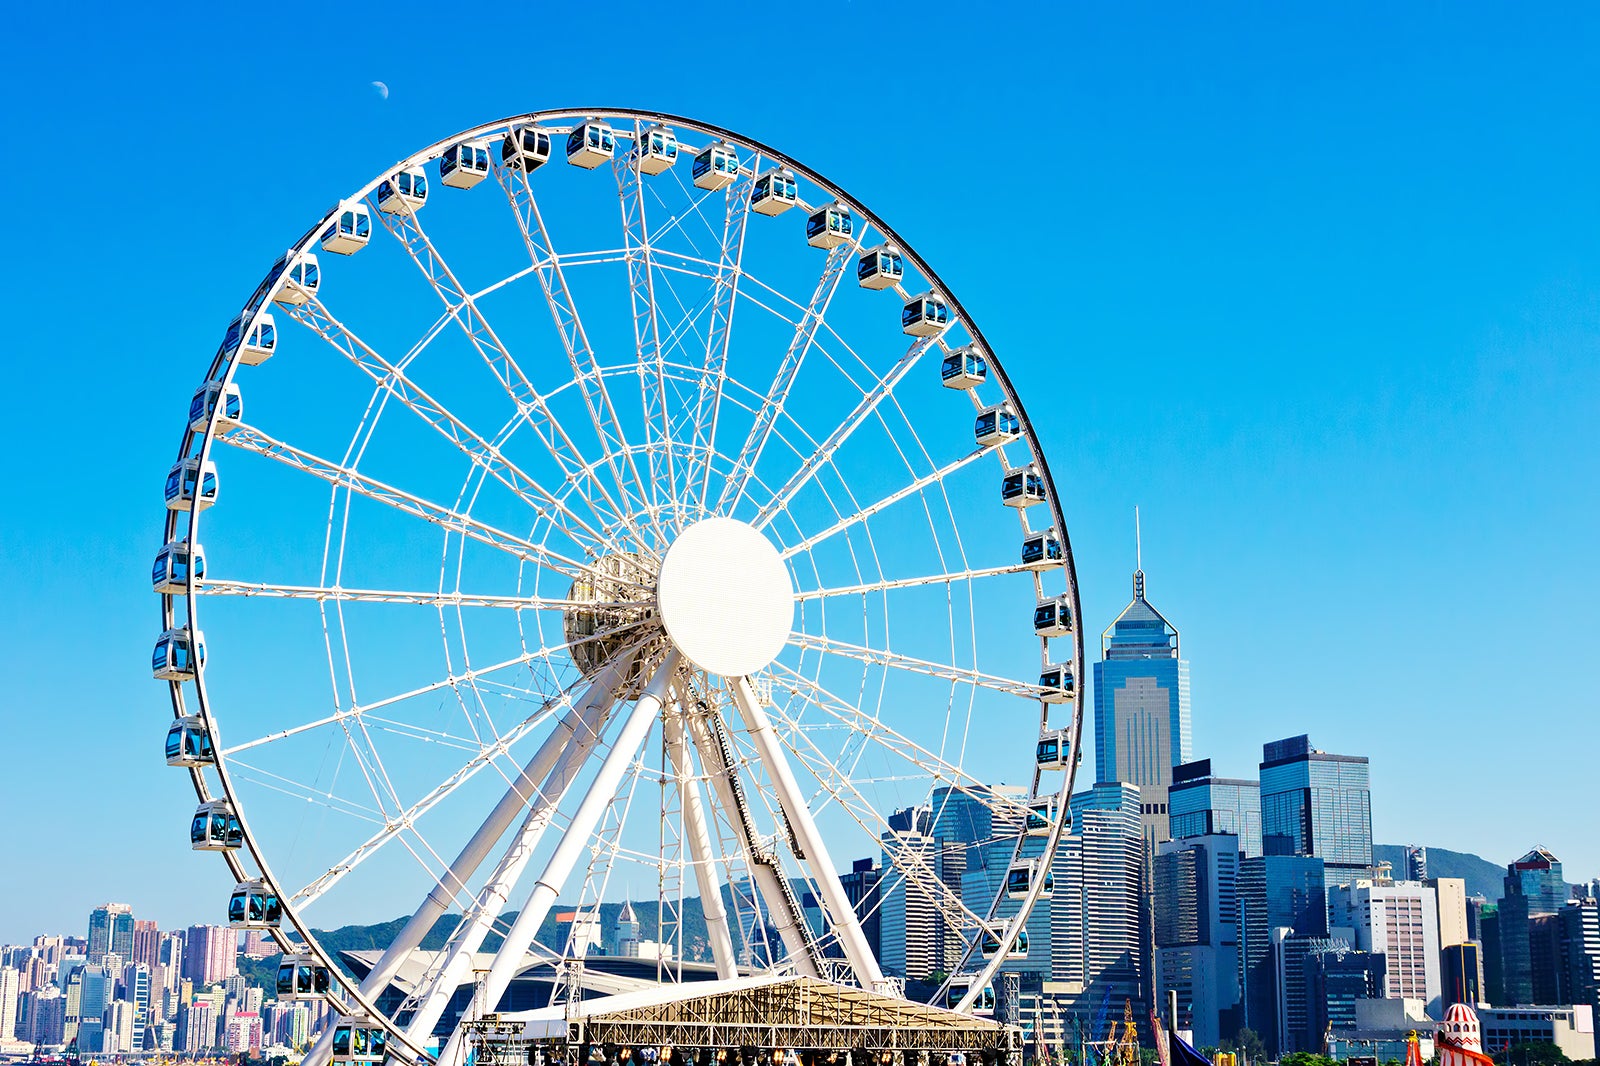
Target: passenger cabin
[359,1040]
[464,165]
[829,226]
[1054,751]
[405,192]
[656,150]
[590,144]
[774,193]
[526,148]
[177,654]
[958,989]
[189,743]
[215,827]
[300,282]
[880,268]
[251,344]
[925,316]
[1019,879]
[1042,551]
[1056,683]
[1053,617]
[254,905]
[1041,816]
[996,425]
[1022,487]
[173,563]
[715,167]
[349,230]
[191,485]
[964,368]
[215,396]
[989,944]
[302,977]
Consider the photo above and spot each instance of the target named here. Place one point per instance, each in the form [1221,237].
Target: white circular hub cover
[725,597]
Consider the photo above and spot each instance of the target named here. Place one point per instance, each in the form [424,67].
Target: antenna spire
[1138,556]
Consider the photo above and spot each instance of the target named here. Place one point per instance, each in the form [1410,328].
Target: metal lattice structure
[602,500]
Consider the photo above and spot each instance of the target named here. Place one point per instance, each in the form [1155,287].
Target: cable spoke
[888,501]
[249,438]
[836,439]
[575,340]
[392,379]
[913,582]
[874,657]
[463,309]
[223,587]
[465,677]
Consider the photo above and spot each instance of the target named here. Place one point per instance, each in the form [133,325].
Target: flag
[1183,1054]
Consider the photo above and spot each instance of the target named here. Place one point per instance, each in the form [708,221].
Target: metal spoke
[874,657]
[222,587]
[483,453]
[575,340]
[888,501]
[836,439]
[463,309]
[249,438]
[888,584]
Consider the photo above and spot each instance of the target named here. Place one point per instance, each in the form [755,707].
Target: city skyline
[1310,332]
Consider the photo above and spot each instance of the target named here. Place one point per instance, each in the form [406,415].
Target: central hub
[725,598]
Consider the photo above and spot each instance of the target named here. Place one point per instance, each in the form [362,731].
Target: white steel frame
[719,736]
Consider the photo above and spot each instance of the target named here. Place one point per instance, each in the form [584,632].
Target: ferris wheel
[607,524]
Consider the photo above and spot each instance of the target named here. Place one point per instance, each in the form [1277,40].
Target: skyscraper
[145,946]
[1110,849]
[110,932]
[1400,921]
[1197,933]
[1314,803]
[861,888]
[1141,708]
[910,945]
[1276,892]
[210,954]
[1539,879]
[1199,804]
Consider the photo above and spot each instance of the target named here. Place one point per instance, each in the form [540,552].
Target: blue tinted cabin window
[702,163]
[1044,616]
[175,743]
[197,829]
[233,407]
[449,159]
[341,1040]
[232,338]
[197,406]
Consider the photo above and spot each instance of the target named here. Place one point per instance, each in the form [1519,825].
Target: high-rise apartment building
[1314,803]
[1197,933]
[145,946]
[1276,892]
[10,994]
[1141,708]
[1398,920]
[1199,804]
[210,954]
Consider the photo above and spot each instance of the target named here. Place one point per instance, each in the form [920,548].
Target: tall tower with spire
[1141,705]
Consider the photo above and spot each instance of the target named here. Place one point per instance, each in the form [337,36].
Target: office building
[1199,804]
[1416,863]
[910,892]
[1580,952]
[1097,935]
[1141,708]
[1398,920]
[1461,974]
[1314,803]
[963,823]
[110,932]
[1337,976]
[1568,1027]
[1291,958]
[1275,892]
[1197,933]
[1450,896]
[861,888]
[1539,881]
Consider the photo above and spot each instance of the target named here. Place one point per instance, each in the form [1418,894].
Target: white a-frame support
[513,953]
[841,914]
[698,834]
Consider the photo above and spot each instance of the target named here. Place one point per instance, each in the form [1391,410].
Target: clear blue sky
[1319,290]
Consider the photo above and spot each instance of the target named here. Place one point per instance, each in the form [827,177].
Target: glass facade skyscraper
[1141,708]
[1314,803]
[1276,892]
[1201,805]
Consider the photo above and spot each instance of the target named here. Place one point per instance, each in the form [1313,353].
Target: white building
[1569,1028]
[1400,921]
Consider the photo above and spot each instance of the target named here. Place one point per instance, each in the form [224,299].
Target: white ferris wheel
[583,522]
